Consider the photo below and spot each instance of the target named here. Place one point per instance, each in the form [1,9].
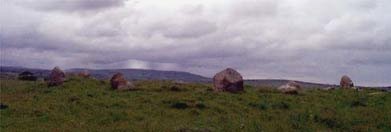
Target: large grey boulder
[346,82]
[228,80]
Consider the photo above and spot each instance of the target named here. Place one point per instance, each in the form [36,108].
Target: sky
[307,40]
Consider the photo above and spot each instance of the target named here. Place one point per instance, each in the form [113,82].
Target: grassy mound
[87,104]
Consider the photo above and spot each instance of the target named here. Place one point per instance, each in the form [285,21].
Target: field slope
[90,105]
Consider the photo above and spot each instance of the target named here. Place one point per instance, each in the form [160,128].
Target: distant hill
[306,85]
[142,74]
[130,74]
[11,72]
[279,82]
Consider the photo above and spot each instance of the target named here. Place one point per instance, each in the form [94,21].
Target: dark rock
[228,80]
[90,95]
[200,105]
[175,88]
[281,105]
[180,105]
[3,106]
[194,130]
[56,77]
[73,99]
[291,87]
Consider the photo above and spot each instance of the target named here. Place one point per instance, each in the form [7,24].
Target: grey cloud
[70,5]
[177,29]
[254,9]
[192,29]
[192,9]
[308,40]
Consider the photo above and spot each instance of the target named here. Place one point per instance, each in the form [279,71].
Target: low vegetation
[88,104]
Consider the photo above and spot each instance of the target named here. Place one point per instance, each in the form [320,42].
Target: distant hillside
[130,74]
[141,74]
[274,83]
[279,82]
[11,72]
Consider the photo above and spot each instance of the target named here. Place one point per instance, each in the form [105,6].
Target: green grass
[90,105]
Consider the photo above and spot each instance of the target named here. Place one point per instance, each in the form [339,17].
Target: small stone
[291,87]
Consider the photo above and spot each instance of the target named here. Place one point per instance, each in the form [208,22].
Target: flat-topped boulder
[291,87]
[228,80]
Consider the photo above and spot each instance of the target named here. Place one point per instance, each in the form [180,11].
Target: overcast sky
[308,40]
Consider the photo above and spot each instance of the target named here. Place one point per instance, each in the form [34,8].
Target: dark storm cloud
[304,40]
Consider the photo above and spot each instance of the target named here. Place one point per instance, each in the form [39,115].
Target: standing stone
[56,77]
[118,82]
[291,87]
[346,82]
[228,80]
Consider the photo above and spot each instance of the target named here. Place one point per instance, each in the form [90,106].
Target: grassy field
[90,105]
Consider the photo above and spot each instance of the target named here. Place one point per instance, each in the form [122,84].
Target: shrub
[261,106]
[281,105]
[73,99]
[267,90]
[200,105]
[179,105]
[329,122]
[359,103]
[299,120]
[3,106]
